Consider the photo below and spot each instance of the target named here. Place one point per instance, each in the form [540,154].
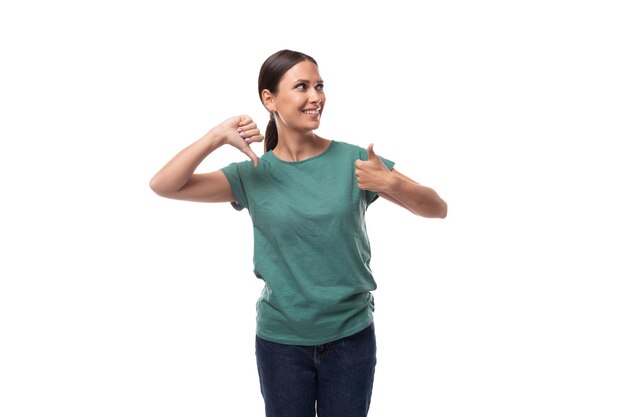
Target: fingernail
[239,129]
[242,134]
[247,140]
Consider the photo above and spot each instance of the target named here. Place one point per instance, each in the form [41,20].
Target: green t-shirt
[310,244]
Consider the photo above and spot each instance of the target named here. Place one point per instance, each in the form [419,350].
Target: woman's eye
[302,86]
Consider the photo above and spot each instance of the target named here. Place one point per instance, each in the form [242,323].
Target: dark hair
[271,72]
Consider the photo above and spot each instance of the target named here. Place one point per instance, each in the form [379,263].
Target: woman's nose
[314,95]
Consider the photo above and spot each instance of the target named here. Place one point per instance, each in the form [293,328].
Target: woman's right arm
[177,179]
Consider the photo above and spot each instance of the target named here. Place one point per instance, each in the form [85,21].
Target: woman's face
[300,99]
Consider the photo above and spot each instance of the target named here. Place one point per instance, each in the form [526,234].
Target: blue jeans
[338,376]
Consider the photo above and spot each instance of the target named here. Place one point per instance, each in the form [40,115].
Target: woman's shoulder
[240,165]
[348,146]
[351,148]
[243,169]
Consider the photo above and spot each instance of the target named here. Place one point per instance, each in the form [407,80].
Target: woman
[307,198]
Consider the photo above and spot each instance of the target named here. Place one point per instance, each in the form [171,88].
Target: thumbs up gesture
[373,174]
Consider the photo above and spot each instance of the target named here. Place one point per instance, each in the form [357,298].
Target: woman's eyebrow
[307,81]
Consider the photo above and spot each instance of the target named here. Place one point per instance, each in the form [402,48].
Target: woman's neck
[297,147]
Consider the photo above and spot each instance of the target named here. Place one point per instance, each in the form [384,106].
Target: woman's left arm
[396,187]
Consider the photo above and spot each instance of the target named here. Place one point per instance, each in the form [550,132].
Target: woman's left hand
[373,174]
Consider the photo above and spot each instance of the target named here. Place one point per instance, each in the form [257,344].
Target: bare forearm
[420,200]
[177,172]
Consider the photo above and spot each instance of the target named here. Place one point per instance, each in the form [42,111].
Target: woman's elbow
[157,187]
[442,211]
[434,211]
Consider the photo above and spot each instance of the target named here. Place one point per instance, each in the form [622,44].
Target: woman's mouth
[312,113]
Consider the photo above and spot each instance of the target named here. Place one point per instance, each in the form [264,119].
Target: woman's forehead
[303,71]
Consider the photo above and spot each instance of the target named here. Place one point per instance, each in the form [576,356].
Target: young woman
[307,197]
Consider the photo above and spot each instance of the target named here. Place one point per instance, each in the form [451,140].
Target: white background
[116,302]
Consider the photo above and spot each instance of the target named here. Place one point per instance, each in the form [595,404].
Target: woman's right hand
[240,132]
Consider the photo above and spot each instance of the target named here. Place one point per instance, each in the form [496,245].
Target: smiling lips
[313,113]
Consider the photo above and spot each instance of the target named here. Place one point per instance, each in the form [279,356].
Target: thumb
[248,151]
[370,152]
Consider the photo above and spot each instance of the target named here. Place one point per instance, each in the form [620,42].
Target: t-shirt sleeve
[233,175]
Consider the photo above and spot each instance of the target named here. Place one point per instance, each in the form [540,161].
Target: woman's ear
[268,100]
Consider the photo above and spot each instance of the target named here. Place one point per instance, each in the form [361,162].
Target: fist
[240,132]
[373,174]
